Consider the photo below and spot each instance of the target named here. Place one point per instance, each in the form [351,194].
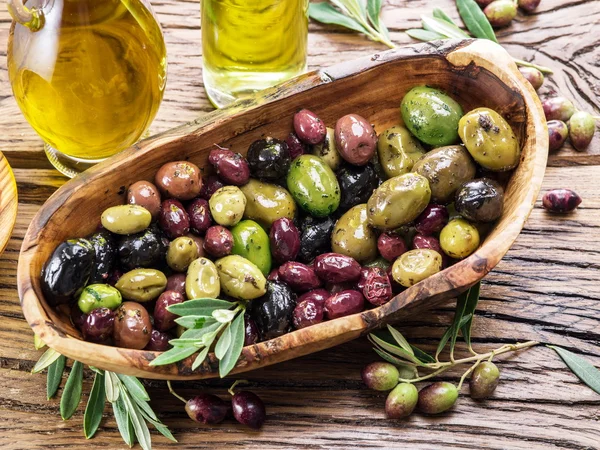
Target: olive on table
[251,333]
[295,146]
[273,312]
[356,185]
[308,127]
[558,108]
[126,219]
[484,380]
[248,409]
[284,238]
[459,238]
[398,151]
[446,168]
[528,5]
[99,296]
[398,201]
[269,159]
[98,325]
[105,250]
[315,238]
[210,184]
[206,408]
[313,186]
[159,341]
[534,76]
[132,326]
[146,195]
[308,312]
[355,139]
[433,218]
[561,200]
[344,303]
[231,167]
[490,140]
[431,115]
[480,200]
[390,246]
[252,242]
[298,276]
[173,219]
[500,12]
[317,296]
[176,282]
[437,397]
[558,132]
[179,179]
[336,268]
[199,215]
[423,241]
[582,127]
[376,286]
[352,236]
[67,271]
[218,241]
[202,280]
[163,319]
[144,249]
[380,376]
[240,278]
[327,150]
[401,401]
[416,265]
[265,203]
[142,285]
[227,205]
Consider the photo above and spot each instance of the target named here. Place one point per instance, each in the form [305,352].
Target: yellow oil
[91,80]
[248,45]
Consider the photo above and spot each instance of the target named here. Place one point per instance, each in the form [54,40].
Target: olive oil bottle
[248,45]
[91,78]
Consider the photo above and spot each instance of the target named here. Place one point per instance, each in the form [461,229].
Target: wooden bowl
[477,73]
[8,202]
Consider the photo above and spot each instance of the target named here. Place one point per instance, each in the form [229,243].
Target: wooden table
[547,287]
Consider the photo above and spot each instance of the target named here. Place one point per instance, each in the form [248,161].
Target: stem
[424,377]
[236,382]
[466,374]
[543,69]
[175,393]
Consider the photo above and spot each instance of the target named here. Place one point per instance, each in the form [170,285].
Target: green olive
[431,115]
[398,151]
[126,219]
[490,140]
[227,205]
[398,201]
[252,242]
[327,150]
[182,251]
[265,203]
[202,280]
[446,168]
[99,296]
[484,380]
[459,238]
[313,185]
[142,285]
[353,237]
[416,265]
[241,278]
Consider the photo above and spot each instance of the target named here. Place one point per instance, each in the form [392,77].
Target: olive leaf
[71,395]
[194,322]
[439,14]
[231,356]
[459,321]
[475,20]
[393,349]
[442,27]
[134,387]
[400,339]
[422,356]
[54,376]
[424,35]
[223,343]
[46,360]
[470,307]
[123,422]
[140,428]
[173,355]
[111,386]
[325,13]
[584,370]
[199,307]
[95,407]
[200,358]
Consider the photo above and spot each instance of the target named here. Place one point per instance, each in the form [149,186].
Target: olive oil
[91,80]
[248,45]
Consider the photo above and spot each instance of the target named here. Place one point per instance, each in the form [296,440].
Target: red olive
[285,240]
[391,246]
[561,200]
[132,326]
[376,286]
[218,241]
[336,268]
[163,319]
[298,276]
[145,194]
[355,139]
[309,128]
[231,167]
[179,179]
[344,303]
[199,214]
[173,219]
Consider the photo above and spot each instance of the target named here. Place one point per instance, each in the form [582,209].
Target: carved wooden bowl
[476,73]
[8,202]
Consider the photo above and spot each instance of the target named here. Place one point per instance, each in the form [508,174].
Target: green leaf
[196,334]
[151,417]
[223,315]
[200,358]
[442,27]
[54,377]
[223,343]
[402,342]
[173,355]
[111,386]
[374,11]
[584,370]
[194,322]
[123,422]
[94,408]
[45,360]
[199,307]
[443,341]
[471,306]
[461,304]
[325,13]
[394,349]
[422,356]
[424,35]
[140,427]
[96,370]
[38,343]
[231,356]
[475,20]
[439,14]
[71,395]
[135,387]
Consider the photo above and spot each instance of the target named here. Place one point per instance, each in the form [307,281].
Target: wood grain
[547,287]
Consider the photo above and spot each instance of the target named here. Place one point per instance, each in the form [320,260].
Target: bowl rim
[9,201]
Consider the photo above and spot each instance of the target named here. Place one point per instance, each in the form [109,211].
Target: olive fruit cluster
[500,13]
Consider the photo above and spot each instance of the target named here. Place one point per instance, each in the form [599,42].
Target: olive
[490,140]
[437,397]
[144,249]
[269,159]
[298,276]
[206,408]
[484,380]
[99,296]
[316,237]
[199,214]
[252,242]
[159,341]
[528,5]
[67,270]
[77,316]
[390,246]
[182,251]
[132,326]
[398,201]
[582,127]
[308,127]
[558,108]
[227,205]
[313,186]
[126,219]
[401,402]
[356,185]
[98,325]
[218,241]
[327,150]
[480,200]
[432,219]
[558,132]
[210,184]
[295,146]
[431,115]
[202,280]
[376,286]
[380,376]
[198,241]
[459,238]
[355,139]
[265,203]
[105,251]
[484,3]
[273,312]
[248,409]
[231,167]
[353,237]
[163,319]
[273,275]
[176,282]
[146,195]
[445,168]
[561,200]
[173,219]
[308,312]
[379,262]
[398,151]
[284,238]
[336,268]
[317,296]
[416,265]
[251,334]
[534,76]
[179,179]
[423,241]
[142,285]
[500,12]
[240,278]
[344,303]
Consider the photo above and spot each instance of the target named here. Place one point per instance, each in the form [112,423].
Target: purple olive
[231,167]
[298,276]
[295,146]
[376,286]
[582,127]
[344,303]
[336,268]
[308,312]
[159,341]
[380,376]
[534,76]
[391,246]
[528,5]
[336,288]
[274,275]
[207,409]
[199,214]
[431,242]
[501,12]
[558,108]
[210,185]
[218,241]
[163,319]
[557,134]
[173,219]
[176,282]
[285,240]
[248,409]
[433,218]
[78,317]
[355,139]
[316,295]
[561,200]
[309,128]
[99,325]
[251,335]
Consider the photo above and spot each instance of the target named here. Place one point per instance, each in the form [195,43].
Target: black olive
[356,185]
[480,200]
[316,237]
[273,312]
[105,250]
[144,249]
[67,271]
[269,159]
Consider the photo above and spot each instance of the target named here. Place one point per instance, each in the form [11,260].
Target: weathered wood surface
[546,288]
